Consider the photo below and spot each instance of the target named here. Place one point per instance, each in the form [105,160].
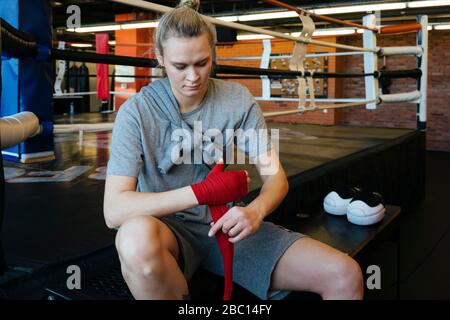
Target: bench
[336,231]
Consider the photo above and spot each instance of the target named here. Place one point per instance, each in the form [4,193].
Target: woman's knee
[348,277]
[139,244]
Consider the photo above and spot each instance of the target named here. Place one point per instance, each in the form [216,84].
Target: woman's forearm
[127,204]
[271,195]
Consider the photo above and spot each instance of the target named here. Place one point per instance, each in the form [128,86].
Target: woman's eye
[180,67]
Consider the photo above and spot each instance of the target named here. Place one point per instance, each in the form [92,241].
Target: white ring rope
[413,96]
[18,127]
[320,107]
[74,94]
[71,94]
[82,127]
[108,126]
[309,100]
[396,51]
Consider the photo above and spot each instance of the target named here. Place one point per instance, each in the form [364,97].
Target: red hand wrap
[216,190]
[221,187]
[226,249]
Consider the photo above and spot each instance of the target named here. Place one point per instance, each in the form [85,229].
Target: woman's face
[188,64]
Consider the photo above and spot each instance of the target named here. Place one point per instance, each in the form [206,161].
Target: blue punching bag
[27,83]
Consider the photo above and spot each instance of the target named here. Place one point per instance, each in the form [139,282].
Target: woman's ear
[159,58]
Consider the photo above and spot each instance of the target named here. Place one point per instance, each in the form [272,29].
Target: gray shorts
[255,257]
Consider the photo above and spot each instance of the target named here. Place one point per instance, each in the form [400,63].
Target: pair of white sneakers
[361,207]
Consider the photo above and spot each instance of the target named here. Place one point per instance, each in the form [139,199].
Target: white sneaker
[366,208]
[336,202]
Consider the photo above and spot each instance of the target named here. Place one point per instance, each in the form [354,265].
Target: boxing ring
[63,214]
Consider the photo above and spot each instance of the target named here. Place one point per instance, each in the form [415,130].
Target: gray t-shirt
[142,135]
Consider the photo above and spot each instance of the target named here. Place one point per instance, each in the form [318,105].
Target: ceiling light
[81,45]
[253,37]
[441,27]
[268,16]
[329,32]
[362,8]
[114,27]
[228,18]
[139,25]
[96,28]
[429,3]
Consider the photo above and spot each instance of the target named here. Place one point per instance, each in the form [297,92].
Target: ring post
[265,64]
[370,61]
[27,83]
[422,63]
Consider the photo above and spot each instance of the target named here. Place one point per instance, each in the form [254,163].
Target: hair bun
[193,4]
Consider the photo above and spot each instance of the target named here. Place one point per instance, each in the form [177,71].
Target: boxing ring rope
[395,51]
[396,29]
[413,96]
[322,107]
[163,9]
[415,73]
[59,54]
[18,127]
[342,100]
[71,94]
[309,55]
[321,17]
[88,127]
[98,127]
[400,29]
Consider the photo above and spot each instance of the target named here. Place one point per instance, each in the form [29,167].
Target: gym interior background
[49,225]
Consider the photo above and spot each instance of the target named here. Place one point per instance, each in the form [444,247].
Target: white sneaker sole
[361,214]
[335,210]
[335,205]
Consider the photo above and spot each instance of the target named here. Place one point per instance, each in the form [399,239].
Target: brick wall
[404,115]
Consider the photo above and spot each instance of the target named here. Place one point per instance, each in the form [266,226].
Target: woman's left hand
[238,223]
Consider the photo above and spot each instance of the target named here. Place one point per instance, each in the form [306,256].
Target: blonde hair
[184,22]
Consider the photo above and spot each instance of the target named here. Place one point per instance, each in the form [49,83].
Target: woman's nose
[192,75]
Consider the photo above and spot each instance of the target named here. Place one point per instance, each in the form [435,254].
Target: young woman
[164,228]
